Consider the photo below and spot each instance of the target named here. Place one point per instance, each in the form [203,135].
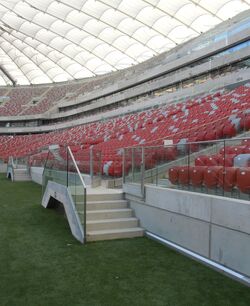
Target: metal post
[100,164]
[224,168]
[85,216]
[188,152]
[133,163]
[91,164]
[142,170]
[67,166]
[156,179]
[123,165]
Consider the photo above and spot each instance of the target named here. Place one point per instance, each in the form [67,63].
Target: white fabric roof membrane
[44,41]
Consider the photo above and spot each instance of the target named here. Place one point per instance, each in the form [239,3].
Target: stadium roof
[44,41]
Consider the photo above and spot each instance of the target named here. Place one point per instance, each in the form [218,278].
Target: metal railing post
[91,169]
[133,163]
[100,164]
[85,216]
[123,165]
[142,171]
[67,166]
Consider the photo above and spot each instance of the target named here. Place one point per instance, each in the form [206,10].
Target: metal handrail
[77,169]
[188,143]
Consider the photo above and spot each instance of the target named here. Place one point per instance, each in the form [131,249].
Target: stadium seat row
[211,177]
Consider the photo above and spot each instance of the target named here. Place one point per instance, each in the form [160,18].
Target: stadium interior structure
[164,144]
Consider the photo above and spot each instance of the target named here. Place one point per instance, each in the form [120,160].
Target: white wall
[37,174]
[3,168]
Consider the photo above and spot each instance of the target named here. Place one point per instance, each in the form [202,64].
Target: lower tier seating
[217,115]
[223,170]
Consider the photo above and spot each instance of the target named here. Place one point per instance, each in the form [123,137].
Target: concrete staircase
[21,174]
[109,217]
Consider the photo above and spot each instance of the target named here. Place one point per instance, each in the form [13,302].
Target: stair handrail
[84,188]
[77,169]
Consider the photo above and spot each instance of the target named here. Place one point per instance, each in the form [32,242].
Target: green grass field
[42,264]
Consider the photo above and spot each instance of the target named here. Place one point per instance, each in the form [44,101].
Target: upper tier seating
[53,95]
[20,100]
[213,116]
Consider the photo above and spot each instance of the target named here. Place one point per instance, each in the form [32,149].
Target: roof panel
[51,40]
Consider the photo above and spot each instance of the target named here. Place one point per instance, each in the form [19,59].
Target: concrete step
[21,174]
[107,214]
[115,234]
[109,224]
[100,205]
[22,180]
[21,177]
[99,196]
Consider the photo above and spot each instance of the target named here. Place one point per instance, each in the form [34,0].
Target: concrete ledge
[215,227]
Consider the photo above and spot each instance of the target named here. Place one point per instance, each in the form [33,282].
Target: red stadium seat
[227,161]
[184,175]
[243,179]
[201,160]
[227,178]
[197,176]
[229,130]
[173,175]
[212,160]
[211,177]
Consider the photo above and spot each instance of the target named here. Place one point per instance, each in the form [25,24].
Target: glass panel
[219,167]
[55,168]
[133,164]
[61,167]
[77,188]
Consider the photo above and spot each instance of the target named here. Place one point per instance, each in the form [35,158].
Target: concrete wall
[180,59]
[172,78]
[3,168]
[37,174]
[215,227]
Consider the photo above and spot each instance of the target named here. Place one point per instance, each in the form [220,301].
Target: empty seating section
[18,98]
[53,95]
[209,117]
[228,170]
[21,99]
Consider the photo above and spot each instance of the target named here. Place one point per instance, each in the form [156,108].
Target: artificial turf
[42,264]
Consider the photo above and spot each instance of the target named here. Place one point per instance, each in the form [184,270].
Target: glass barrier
[133,166]
[55,167]
[77,187]
[220,167]
[61,167]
